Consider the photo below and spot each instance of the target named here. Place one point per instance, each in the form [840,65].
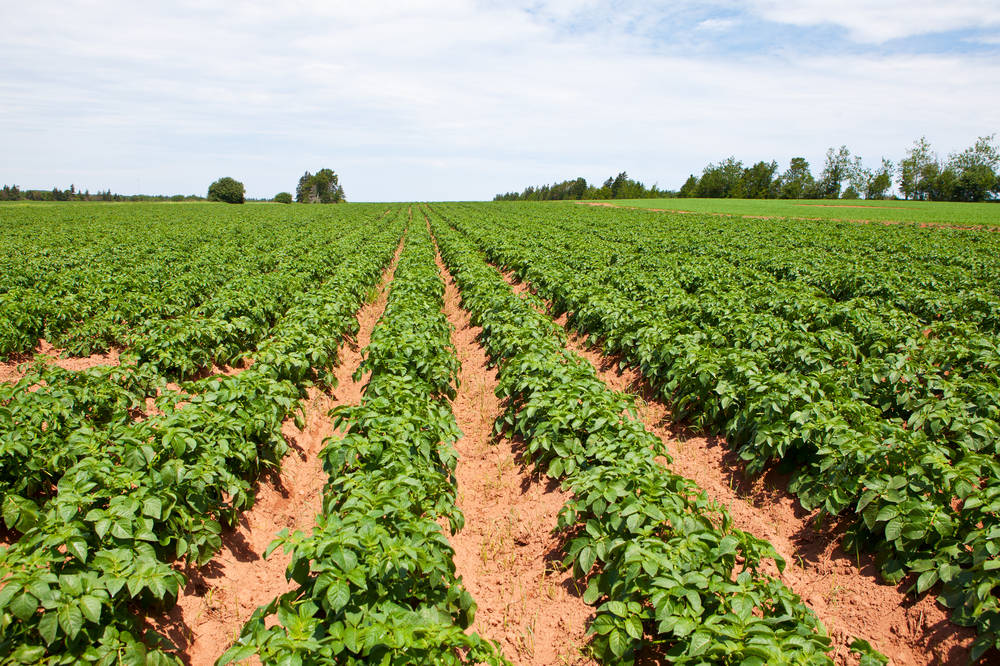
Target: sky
[462,99]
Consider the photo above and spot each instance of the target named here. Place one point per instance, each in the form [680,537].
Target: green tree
[835,171]
[914,167]
[689,188]
[720,180]
[283,197]
[304,188]
[758,182]
[322,187]
[228,190]
[975,170]
[797,182]
[878,187]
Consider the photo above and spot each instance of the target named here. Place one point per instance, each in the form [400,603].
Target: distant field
[890,211]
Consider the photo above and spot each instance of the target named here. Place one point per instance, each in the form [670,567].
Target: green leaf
[337,595]
[91,607]
[71,620]
[586,559]
[633,627]
[618,643]
[24,606]
[48,627]
[152,507]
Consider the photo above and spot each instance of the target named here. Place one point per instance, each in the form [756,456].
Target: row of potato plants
[913,458]
[663,564]
[375,581]
[86,279]
[106,524]
[57,417]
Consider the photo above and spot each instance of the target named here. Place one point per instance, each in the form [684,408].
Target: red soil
[506,554]
[11,371]
[220,597]
[849,600]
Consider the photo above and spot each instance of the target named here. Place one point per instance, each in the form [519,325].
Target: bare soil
[220,597]
[11,370]
[506,554]
[842,588]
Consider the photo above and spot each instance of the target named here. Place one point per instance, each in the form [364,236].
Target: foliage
[663,565]
[375,581]
[322,187]
[108,504]
[283,197]
[227,190]
[813,346]
[618,187]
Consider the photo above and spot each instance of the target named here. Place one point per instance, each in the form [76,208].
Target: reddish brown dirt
[506,554]
[220,597]
[11,371]
[850,601]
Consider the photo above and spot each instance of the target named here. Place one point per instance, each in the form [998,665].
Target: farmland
[962,214]
[162,364]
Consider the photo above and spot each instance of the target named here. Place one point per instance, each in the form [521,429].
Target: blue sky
[463,99]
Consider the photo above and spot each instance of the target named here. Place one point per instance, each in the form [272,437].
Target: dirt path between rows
[850,601]
[506,554]
[12,370]
[220,597]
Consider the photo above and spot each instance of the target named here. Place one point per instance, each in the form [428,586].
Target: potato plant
[664,566]
[375,581]
[104,520]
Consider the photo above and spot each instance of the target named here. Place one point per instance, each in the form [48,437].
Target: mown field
[852,369]
[962,214]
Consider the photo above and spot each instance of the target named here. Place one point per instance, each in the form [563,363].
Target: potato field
[504,433]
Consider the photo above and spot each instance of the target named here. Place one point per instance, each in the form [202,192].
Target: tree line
[322,187]
[970,175]
[15,193]
[618,187]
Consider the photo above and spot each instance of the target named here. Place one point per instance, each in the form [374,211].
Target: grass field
[963,214]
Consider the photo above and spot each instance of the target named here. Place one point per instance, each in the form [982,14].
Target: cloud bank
[463,99]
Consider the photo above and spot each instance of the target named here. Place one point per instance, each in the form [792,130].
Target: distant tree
[322,187]
[10,193]
[689,188]
[976,170]
[913,169]
[850,193]
[878,187]
[283,197]
[797,182]
[304,188]
[619,187]
[228,190]
[721,180]
[758,182]
[835,171]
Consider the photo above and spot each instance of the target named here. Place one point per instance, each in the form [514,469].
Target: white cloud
[436,100]
[877,22]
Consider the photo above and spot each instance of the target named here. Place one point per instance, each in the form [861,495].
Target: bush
[283,197]
[226,189]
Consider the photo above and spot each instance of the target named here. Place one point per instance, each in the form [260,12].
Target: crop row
[664,566]
[375,581]
[200,284]
[914,457]
[106,517]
